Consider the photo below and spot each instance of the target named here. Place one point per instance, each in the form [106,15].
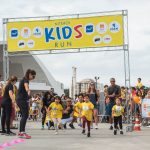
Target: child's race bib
[85,108]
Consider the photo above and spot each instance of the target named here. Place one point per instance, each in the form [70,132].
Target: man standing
[113,92]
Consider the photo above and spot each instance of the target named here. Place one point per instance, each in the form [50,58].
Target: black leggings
[24,111]
[116,121]
[6,116]
[43,115]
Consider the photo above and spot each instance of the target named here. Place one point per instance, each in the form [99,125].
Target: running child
[56,111]
[77,110]
[87,114]
[117,113]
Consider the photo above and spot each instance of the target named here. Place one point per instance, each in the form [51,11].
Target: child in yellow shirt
[56,111]
[77,110]
[87,113]
[117,113]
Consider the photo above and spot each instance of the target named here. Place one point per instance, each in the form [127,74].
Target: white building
[44,80]
[83,85]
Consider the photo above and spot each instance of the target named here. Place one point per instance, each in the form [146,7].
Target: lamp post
[96,79]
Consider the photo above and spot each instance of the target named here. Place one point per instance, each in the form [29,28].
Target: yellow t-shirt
[117,111]
[56,110]
[87,110]
[77,109]
[139,85]
[123,94]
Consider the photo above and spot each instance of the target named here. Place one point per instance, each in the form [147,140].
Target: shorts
[109,108]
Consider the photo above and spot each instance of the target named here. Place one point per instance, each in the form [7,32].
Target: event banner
[145,108]
[89,32]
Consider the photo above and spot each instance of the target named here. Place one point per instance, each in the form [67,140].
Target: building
[82,86]
[44,80]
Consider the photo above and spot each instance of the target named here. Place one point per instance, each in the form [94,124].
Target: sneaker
[10,134]
[56,132]
[42,128]
[96,127]
[25,136]
[80,124]
[111,128]
[115,132]
[65,127]
[48,128]
[91,127]
[52,128]
[3,132]
[88,135]
[83,132]
[71,126]
[121,132]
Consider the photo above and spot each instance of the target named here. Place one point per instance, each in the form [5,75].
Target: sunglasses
[112,81]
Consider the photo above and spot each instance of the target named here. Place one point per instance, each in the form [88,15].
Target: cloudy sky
[105,64]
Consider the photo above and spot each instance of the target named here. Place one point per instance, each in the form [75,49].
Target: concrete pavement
[73,139]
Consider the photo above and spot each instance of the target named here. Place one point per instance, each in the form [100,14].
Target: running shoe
[10,134]
[111,128]
[83,132]
[115,132]
[65,127]
[42,128]
[121,132]
[24,135]
[3,132]
[88,134]
[71,126]
[80,124]
[56,132]
[96,127]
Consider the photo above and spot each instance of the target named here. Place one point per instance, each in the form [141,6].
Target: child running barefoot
[56,110]
[117,113]
[87,113]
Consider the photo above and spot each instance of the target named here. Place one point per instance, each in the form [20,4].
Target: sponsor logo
[30,43]
[14,33]
[97,39]
[37,32]
[26,32]
[101,27]
[21,44]
[107,39]
[89,28]
[114,27]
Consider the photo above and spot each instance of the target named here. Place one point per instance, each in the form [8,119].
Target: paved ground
[72,139]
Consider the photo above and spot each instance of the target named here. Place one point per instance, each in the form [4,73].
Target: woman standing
[7,102]
[94,98]
[23,101]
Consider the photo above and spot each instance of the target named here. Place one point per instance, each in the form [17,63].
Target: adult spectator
[94,98]
[68,114]
[113,92]
[7,102]
[23,96]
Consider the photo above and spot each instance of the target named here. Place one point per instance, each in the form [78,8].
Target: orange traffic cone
[137,126]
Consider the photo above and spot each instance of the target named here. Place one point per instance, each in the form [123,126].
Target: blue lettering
[58,33]
[67,32]
[48,34]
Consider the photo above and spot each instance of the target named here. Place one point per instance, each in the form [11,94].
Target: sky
[103,64]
